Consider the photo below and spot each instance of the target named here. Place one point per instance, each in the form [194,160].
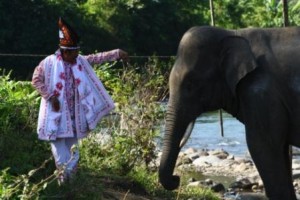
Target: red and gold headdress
[68,38]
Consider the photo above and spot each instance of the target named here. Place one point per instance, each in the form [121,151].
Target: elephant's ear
[237,60]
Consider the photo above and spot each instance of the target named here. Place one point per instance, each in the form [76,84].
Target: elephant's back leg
[266,122]
[294,101]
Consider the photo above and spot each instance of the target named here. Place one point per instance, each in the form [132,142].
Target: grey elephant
[253,74]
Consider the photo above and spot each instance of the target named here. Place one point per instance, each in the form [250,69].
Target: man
[73,98]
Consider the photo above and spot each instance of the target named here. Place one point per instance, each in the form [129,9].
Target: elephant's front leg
[273,166]
[266,123]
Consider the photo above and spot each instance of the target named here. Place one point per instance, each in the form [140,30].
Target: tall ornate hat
[68,38]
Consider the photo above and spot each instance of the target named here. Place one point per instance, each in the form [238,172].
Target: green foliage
[137,92]
[18,117]
[269,15]
[22,187]
[142,27]
[255,13]
[294,10]
[197,192]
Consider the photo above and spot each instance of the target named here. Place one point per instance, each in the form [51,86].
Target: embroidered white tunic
[83,99]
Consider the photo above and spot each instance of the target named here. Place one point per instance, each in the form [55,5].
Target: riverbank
[234,177]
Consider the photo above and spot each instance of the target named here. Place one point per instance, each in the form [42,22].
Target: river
[207,134]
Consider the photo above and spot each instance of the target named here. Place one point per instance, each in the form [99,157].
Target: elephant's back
[205,35]
[273,38]
[275,48]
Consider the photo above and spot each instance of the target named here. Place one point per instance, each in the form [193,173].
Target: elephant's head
[209,65]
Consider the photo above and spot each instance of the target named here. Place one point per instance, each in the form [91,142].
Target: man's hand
[55,103]
[123,55]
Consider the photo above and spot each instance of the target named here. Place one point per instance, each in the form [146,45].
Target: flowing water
[207,134]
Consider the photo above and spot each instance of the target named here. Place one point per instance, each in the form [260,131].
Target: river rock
[181,154]
[227,163]
[230,157]
[242,159]
[220,153]
[296,167]
[208,183]
[254,175]
[203,152]
[194,156]
[260,184]
[244,196]
[207,160]
[189,151]
[243,184]
[219,187]
[296,151]
[296,174]
[183,160]
[190,180]
[240,167]
[195,184]
[295,164]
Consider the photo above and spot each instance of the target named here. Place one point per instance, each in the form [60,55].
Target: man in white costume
[73,98]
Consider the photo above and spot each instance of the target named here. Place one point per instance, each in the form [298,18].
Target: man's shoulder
[49,60]
[82,58]
[50,56]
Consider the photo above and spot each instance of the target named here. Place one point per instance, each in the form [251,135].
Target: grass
[90,184]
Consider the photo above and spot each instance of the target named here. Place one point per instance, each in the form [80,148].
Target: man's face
[70,55]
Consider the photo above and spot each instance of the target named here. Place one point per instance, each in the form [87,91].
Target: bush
[138,92]
[19,148]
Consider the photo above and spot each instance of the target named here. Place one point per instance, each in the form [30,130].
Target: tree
[142,27]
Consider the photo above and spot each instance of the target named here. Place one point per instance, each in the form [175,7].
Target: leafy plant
[137,92]
[21,186]
[18,116]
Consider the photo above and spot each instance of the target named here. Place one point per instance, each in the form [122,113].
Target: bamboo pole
[212,17]
[212,12]
[285,12]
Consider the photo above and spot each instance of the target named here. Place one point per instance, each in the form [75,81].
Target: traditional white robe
[92,101]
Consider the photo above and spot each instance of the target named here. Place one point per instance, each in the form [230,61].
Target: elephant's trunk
[171,146]
[167,164]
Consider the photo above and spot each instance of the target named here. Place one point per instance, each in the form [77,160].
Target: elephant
[252,74]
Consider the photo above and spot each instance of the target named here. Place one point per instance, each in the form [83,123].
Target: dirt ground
[118,189]
[111,194]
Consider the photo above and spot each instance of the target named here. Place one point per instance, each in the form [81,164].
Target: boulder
[219,187]
[207,160]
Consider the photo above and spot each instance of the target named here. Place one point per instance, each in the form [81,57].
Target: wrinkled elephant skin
[253,74]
